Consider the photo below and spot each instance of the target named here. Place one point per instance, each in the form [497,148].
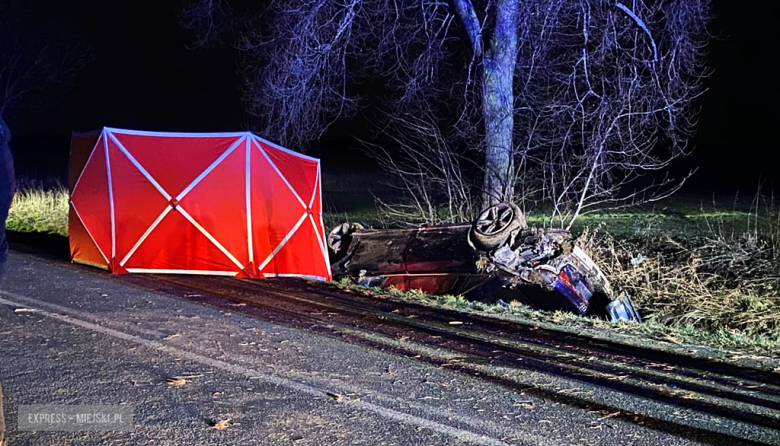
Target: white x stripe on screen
[303,216]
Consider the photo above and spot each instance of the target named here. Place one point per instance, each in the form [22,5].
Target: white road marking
[460,434]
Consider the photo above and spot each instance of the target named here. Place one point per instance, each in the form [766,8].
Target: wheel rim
[336,236]
[495,219]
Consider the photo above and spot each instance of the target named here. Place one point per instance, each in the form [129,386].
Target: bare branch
[641,25]
[468,16]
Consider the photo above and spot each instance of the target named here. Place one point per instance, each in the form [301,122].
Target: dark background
[145,77]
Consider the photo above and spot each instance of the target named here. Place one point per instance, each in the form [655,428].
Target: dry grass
[39,207]
[726,281]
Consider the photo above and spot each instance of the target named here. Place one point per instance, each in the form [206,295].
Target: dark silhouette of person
[7,189]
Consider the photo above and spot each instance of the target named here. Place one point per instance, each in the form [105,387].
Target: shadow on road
[49,245]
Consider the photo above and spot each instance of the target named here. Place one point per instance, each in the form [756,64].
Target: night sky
[144,77]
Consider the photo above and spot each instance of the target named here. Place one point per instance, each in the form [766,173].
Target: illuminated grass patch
[39,208]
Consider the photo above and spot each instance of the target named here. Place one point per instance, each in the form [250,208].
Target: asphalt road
[302,363]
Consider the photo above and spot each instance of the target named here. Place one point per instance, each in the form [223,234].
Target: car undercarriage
[496,259]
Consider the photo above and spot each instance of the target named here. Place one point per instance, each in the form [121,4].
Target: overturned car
[497,258]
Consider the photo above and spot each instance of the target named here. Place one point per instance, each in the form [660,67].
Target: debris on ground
[335,396]
[181,380]
[221,424]
[176,381]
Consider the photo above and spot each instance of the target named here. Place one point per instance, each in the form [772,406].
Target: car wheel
[495,224]
[341,235]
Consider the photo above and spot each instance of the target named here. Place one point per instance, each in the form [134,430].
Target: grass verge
[39,207]
[732,342]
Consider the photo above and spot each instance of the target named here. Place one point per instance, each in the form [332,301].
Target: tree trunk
[497,104]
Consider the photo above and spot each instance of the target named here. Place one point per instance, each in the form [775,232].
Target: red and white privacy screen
[214,203]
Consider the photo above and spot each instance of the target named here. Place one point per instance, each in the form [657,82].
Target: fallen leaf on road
[222,424]
[335,396]
[177,381]
[24,310]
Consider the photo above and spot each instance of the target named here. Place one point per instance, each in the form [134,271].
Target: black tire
[495,224]
[340,236]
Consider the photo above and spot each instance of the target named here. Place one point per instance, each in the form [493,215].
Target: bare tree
[302,67]
[33,65]
[567,101]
